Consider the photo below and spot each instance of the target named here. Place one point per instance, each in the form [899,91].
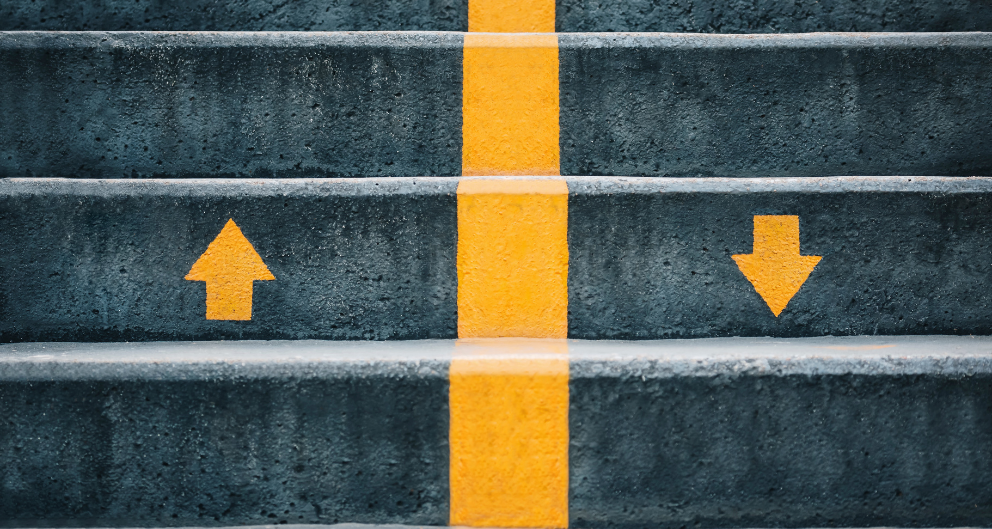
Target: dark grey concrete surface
[770,16]
[375,259]
[117,105]
[230,104]
[238,15]
[766,106]
[740,16]
[366,259]
[774,441]
[734,432]
[652,258]
[228,442]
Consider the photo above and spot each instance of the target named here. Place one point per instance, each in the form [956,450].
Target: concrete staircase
[441,265]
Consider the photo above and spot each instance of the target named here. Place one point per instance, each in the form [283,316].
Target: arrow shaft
[776,235]
[229,300]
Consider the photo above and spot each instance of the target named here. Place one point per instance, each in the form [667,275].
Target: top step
[354,104]
[708,16]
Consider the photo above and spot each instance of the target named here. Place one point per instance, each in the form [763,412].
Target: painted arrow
[775,267]
[229,267]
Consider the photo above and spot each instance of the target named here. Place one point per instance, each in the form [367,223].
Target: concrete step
[849,432]
[411,258]
[750,16]
[122,105]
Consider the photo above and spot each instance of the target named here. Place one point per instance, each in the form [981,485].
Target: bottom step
[713,433]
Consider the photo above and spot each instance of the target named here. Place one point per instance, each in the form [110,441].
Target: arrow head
[230,258]
[775,267]
[776,281]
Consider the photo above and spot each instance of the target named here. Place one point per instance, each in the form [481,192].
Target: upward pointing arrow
[229,267]
[775,267]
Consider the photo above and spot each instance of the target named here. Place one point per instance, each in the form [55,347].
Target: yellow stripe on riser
[512,258]
[510,105]
[511,16]
[509,436]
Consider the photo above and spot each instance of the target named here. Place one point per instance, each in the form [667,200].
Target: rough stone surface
[771,16]
[653,260]
[765,106]
[805,450]
[229,445]
[739,16]
[105,260]
[235,15]
[375,259]
[734,432]
[115,105]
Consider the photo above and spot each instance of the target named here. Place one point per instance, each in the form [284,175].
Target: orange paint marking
[775,268]
[229,267]
[508,401]
[510,106]
[512,258]
[511,16]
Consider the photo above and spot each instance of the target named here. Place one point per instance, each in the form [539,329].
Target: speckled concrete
[771,16]
[776,105]
[732,432]
[131,105]
[365,259]
[738,16]
[174,105]
[375,259]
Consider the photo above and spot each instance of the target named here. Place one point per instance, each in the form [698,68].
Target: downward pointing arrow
[775,267]
[229,267]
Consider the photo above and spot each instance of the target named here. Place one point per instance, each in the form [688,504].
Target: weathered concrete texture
[234,15]
[114,105]
[741,16]
[374,259]
[792,105]
[770,16]
[105,260]
[239,104]
[743,444]
[651,258]
[158,440]
[865,431]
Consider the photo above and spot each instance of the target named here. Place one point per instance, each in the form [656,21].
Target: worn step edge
[723,433]
[659,359]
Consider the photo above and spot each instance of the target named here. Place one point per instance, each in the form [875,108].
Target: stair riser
[377,258]
[873,438]
[452,15]
[105,105]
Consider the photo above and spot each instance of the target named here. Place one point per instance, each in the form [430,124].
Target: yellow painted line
[509,398]
[509,433]
[775,268]
[229,266]
[511,16]
[512,258]
[510,105]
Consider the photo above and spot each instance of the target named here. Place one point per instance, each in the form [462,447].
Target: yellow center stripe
[511,16]
[512,258]
[509,433]
[509,397]
[510,105]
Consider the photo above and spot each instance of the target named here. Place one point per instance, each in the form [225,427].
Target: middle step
[404,258]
